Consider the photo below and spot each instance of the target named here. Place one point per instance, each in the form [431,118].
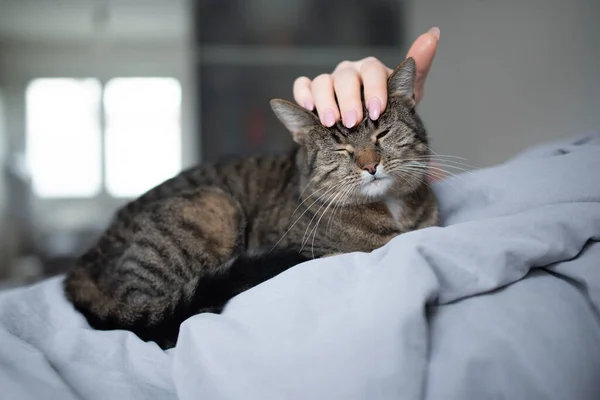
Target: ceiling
[84,20]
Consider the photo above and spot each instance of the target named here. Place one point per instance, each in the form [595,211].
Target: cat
[195,241]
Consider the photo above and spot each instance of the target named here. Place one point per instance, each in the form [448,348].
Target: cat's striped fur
[200,238]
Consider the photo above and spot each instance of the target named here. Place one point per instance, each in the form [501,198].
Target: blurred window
[141,136]
[143,133]
[63,137]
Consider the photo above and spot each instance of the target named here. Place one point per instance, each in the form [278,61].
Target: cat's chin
[376,188]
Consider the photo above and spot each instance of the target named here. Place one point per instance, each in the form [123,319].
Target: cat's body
[199,239]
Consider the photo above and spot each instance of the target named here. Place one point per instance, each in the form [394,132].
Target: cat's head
[371,161]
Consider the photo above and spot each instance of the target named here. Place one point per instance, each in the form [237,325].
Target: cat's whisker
[446,163]
[301,215]
[319,221]
[405,167]
[304,190]
[344,194]
[339,185]
[422,170]
[434,156]
[430,168]
[436,161]
[453,166]
[444,155]
[449,156]
[413,170]
[324,197]
[307,197]
[308,230]
[332,199]
[339,205]
[403,174]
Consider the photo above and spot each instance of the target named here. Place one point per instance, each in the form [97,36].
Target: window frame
[102,126]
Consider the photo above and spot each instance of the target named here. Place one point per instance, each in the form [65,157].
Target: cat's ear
[402,81]
[295,118]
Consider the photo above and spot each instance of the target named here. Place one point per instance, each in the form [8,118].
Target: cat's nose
[371,168]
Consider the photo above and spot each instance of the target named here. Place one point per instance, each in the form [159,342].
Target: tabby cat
[195,241]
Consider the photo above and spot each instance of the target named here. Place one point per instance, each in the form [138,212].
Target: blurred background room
[100,100]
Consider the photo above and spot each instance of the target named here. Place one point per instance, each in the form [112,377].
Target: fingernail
[374,107]
[329,118]
[350,118]
[435,31]
[309,105]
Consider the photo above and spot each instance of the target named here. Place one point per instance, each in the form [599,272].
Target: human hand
[345,83]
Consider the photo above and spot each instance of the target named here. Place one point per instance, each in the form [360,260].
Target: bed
[501,302]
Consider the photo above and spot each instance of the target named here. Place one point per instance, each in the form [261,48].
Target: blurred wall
[509,74]
[3,188]
[250,51]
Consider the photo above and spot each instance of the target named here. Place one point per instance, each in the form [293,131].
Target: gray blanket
[501,302]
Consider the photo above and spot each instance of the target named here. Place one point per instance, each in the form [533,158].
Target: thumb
[423,52]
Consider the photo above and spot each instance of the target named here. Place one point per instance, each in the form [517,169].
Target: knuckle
[344,65]
[370,63]
[371,60]
[346,77]
[322,79]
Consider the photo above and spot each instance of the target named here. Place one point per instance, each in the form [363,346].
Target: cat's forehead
[397,116]
[364,128]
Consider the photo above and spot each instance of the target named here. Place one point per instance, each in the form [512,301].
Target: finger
[322,92]
[374,78]
[346,83]
[302,93]
[346,65]
[423,51]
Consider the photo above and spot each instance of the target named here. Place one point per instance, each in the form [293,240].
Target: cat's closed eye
[383,133]
[344,150]
[380,135]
